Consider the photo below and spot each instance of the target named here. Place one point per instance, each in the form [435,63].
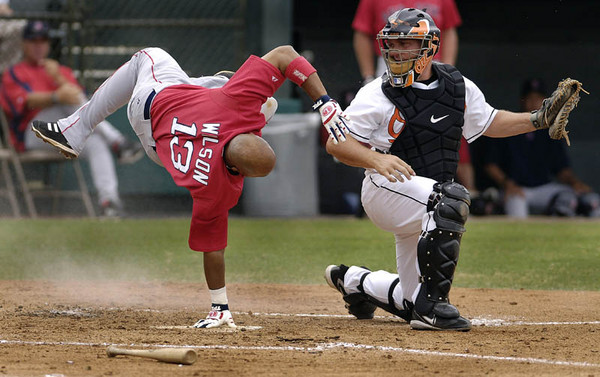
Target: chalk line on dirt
[477,321]
[318,348]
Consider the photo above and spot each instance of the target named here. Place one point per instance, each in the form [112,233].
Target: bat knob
[110,351]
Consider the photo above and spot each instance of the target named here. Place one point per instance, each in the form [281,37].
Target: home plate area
[65,328]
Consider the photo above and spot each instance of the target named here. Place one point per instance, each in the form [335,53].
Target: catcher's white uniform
[400,207]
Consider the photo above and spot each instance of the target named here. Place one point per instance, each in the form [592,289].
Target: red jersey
[17,83]
[192,125]
[371,15]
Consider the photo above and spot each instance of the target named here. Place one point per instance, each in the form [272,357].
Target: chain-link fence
[96,37]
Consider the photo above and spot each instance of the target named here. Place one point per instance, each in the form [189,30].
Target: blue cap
[36,30]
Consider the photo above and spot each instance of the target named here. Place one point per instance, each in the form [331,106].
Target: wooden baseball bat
[185,356]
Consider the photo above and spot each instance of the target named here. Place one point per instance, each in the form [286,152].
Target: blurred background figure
[371,16]
[41,87]
[535,171]
[10,37]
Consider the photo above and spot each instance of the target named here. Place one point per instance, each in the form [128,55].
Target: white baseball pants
[148,71]
[399,208]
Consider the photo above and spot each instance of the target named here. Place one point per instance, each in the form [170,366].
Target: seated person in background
[535,172]
[41,87]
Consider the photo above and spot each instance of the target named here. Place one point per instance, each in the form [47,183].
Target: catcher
[406,128]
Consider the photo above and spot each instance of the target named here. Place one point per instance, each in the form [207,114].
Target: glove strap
[534,119]
[320,102]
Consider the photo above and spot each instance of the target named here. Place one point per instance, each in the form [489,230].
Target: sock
[219,297]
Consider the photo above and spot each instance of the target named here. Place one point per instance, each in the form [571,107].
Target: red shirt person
[36,74]
[191,144]
[206,134]
[41,87]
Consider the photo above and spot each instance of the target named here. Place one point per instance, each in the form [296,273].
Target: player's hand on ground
[216,318]
[392,167]
[333,118]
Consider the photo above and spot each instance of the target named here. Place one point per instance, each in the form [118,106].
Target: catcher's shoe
[218,316]
[357,303]
[442,316]
[51,134]
[435,322]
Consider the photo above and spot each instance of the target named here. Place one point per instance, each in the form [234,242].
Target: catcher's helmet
[408,23]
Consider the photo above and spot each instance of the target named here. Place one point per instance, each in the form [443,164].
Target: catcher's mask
[408,23]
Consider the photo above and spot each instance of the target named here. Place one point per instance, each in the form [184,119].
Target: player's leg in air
[426,260]
[145,70]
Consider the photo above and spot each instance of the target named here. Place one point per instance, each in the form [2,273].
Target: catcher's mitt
[555,110]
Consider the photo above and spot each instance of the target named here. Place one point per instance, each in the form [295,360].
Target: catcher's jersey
[374,120]
[191,125]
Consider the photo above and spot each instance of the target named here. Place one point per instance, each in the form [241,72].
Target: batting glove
[334,120]
[219,315]
[268,108]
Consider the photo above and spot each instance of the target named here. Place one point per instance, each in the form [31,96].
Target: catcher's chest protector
[430,139]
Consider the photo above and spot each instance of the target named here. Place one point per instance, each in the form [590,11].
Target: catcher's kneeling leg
[359,306]
[437,255]
[363,305]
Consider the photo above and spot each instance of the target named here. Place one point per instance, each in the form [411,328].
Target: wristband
[298,70]
[320,102]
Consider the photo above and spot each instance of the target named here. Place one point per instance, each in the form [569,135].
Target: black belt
[148,104]
[382,152]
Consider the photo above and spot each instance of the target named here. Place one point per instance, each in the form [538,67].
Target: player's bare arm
[354,153]
[297,69]
[363,49]
[450,51]
[282,56]
[69,94]
[507,123]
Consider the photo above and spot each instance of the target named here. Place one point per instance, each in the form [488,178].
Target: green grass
[501,254]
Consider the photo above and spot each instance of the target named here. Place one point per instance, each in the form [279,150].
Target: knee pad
[589,204]
[563,204]
[452,208]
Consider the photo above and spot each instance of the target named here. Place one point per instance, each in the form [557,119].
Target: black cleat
[334,275]
[51,134]
[357,303]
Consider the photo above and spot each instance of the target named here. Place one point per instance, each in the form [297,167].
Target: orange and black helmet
[408,23]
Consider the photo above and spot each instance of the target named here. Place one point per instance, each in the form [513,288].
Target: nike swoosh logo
[435,120]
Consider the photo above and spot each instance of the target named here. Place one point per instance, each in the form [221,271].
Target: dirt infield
[63,329]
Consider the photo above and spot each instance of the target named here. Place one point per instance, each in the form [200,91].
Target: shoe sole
[328,276]
[65,151]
